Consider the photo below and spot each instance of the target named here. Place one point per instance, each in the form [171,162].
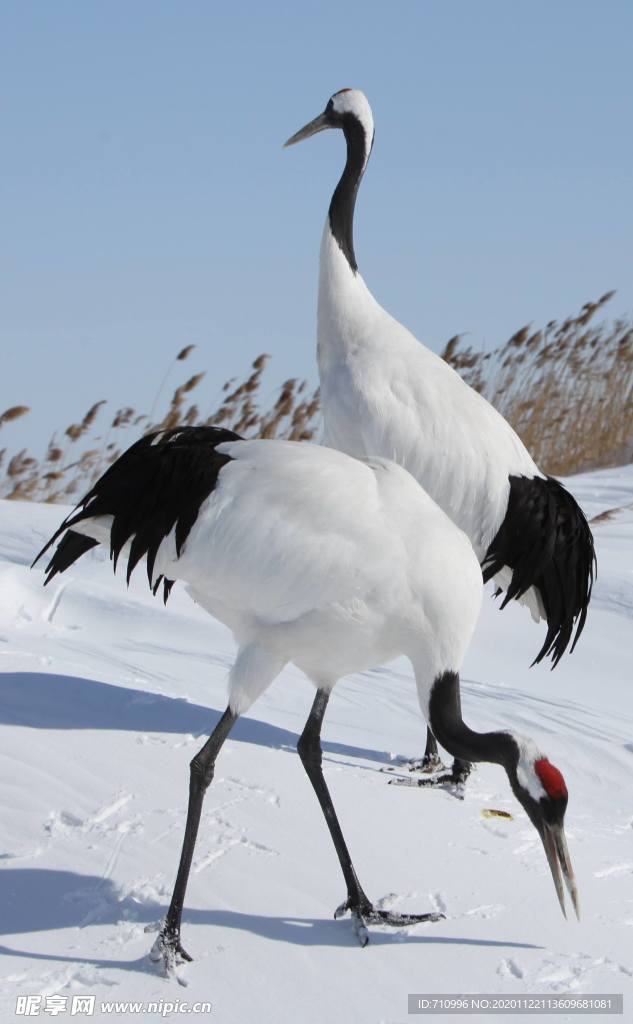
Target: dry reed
[566,390]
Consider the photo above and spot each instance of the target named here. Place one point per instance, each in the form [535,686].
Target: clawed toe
[401,920]
[454,781]
[429,764]
[365,913]
[445,779]
[168,950]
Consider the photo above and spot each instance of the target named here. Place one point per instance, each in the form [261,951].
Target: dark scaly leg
[431,761]
[309,748]
[167,946]
[454,780]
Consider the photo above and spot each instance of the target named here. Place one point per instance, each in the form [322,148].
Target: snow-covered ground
[106,695]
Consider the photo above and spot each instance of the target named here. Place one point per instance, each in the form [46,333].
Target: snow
[106,696]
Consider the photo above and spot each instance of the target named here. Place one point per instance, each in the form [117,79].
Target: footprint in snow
[572,972]
[269,794]
[510,968]
[614,870]
[486,911]
[439,903]
[63,823]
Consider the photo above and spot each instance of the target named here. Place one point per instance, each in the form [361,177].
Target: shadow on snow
[48,701]
[48,900]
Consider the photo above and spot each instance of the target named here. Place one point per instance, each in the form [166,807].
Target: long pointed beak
[555,845]
[319,124]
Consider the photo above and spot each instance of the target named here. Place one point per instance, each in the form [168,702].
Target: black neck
[449,728]
[344,199]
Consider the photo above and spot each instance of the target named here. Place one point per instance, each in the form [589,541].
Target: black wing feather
[546,541]
[157,484]
[71,547]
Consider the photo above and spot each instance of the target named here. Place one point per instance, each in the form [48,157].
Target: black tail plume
[156,486]
[71,547]
[546,541]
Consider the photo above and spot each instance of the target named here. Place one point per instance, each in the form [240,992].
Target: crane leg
[454,780]
[431,764]
[167,946]
[431,760]
[357,902]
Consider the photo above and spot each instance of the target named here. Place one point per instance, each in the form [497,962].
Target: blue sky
[146,202]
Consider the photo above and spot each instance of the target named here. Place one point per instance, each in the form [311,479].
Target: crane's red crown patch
[552,780]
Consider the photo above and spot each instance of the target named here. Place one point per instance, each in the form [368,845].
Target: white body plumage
[313,557]
[383,393]
[334,564]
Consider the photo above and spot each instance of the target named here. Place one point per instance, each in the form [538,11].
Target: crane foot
[366,914]
[428,764]
[454,782]
[168,950]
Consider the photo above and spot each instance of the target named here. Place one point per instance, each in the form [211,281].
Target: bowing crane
[310,557]
[384,393]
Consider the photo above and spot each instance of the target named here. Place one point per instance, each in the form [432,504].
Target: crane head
[343,107]
[540,788]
